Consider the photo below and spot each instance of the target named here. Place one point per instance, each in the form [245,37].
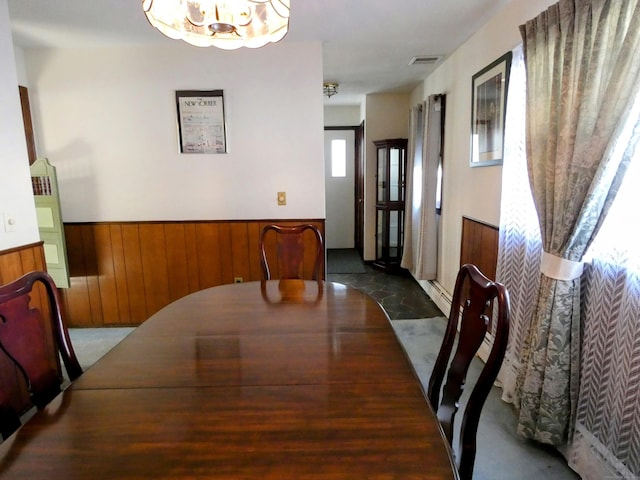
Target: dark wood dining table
[278,380]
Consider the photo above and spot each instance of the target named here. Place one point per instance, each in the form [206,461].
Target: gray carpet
[90,344]
[344,260]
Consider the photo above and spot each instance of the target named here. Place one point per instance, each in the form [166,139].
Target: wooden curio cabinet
[390,192]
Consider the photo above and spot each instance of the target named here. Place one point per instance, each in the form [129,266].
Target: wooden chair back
[473,298]
[291,256]
[33,338]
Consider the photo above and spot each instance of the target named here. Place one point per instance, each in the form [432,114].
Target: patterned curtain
[606,438]
[421,225]
[582,74]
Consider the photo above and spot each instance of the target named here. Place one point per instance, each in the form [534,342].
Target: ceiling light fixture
[329,89]
[226,24]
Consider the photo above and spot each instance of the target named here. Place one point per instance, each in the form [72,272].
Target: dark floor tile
[398,293]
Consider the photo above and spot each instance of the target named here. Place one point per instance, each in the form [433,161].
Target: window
[619,238]
[618,241]
[338,158]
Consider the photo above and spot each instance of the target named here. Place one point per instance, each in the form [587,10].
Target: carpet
[421,339]
[344,260]
[90,344]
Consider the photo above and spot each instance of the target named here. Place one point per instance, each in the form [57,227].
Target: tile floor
[398,293]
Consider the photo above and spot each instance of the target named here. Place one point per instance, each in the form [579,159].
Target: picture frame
[489,89]
[201,121]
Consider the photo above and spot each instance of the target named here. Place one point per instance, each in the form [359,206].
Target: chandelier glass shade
[226,24]
[329,89]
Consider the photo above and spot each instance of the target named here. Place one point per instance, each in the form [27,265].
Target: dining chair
[33,338]
[475,299]
[285,246]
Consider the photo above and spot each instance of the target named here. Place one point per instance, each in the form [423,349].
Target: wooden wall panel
[193,270]
[480,246]
[120,273]
[253,244]
[16,262]
[154,266]
[105,265]
[91,251]
[240,252]
[225,245]
[134,275]
[208,252]
[123,272]
[177,266]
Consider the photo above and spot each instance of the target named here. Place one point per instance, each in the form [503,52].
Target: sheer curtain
[421,222]
[520,246]
[606,441]
[413,190]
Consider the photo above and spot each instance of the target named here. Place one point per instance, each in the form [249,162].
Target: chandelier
[227,24]
[329,89]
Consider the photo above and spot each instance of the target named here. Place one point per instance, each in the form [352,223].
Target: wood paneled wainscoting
[15,262]
[479,246]
[123,272]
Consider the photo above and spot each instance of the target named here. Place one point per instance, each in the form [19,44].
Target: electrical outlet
[282,198]
[238,280]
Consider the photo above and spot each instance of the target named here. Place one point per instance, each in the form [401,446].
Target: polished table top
[280,379]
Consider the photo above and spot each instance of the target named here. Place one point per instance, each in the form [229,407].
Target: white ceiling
[367,44]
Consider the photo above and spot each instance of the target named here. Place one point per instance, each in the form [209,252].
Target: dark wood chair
[33,338]
[474,297]
[288,243]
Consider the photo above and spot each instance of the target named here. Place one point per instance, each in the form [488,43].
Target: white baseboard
[438,294]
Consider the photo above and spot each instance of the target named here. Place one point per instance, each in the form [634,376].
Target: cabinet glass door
[390,192]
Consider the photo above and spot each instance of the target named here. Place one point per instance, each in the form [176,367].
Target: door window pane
[338,158]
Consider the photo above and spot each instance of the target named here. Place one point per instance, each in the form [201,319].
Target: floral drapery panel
[606,437]
[582,74]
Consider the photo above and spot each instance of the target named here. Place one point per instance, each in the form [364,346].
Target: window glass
[338,158]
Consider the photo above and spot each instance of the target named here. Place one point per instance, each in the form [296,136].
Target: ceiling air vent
[425,60]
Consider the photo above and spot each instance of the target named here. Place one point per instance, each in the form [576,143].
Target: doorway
[339,161]
[344,225]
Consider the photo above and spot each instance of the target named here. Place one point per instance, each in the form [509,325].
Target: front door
[340,188]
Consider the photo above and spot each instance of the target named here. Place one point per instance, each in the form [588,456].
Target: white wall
[106,118]
[16,196]
[342,116]
[387,116]
[473,192]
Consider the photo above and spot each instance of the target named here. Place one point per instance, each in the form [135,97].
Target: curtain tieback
[560,268]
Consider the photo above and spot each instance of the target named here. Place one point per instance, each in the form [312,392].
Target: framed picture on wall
[488,107]
[201,123]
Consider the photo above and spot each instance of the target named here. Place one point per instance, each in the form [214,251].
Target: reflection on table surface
[277,379]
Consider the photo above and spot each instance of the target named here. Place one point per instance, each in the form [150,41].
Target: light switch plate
[9,222]
[282,198]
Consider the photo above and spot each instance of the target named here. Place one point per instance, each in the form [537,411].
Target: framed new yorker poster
[488,107]
[201,124]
